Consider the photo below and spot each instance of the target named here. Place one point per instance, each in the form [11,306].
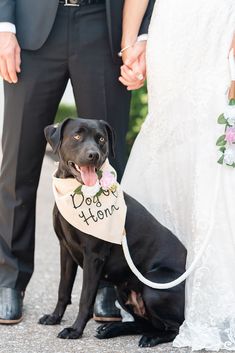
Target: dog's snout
[93,156]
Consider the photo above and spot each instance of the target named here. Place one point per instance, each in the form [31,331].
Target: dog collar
[99,210]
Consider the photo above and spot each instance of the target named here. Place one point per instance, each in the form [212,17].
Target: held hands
[133,72]
[9,57]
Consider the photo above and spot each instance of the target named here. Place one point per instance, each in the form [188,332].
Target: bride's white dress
[173,166]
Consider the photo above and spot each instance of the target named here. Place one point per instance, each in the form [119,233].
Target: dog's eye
[101,139]
[77,137]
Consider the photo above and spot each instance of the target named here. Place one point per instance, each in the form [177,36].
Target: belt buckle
[71,3]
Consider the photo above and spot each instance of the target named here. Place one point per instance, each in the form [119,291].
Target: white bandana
[102,216]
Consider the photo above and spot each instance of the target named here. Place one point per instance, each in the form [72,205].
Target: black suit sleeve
[147,17]
[7,11]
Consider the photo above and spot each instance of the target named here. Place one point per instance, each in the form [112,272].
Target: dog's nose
[93,156]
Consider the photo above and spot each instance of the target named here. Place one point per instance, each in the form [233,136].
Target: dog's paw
[49,320]
[101,330]
[69,333]
[148,341]
[106,331]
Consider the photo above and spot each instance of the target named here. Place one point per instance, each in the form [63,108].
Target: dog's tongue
[89,176]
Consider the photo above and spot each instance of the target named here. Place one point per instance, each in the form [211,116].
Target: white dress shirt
[7,27]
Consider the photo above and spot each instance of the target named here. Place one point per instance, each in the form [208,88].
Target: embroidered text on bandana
[102,216]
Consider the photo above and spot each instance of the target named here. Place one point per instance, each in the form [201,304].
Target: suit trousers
[78,49]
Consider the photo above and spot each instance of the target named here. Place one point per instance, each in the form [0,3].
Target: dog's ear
[111,137]
[53,134]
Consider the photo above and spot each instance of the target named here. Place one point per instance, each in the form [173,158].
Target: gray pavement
[28,336]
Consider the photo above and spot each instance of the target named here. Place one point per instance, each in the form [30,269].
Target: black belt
[80,2]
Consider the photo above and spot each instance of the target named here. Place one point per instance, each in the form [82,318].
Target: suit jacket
[34,20]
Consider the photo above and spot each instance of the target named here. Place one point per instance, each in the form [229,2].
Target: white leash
[193,265]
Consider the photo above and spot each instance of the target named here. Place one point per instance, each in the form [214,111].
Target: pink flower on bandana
[230,135]
[107,181]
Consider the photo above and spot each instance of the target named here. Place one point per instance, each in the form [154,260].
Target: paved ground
[28,336]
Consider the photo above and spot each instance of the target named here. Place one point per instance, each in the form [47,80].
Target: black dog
[156,252]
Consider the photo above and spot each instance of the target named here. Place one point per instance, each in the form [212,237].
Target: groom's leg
[30,105]
[99,95]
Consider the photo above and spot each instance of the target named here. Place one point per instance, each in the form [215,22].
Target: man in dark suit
[43,43]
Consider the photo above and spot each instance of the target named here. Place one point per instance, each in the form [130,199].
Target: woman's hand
[134,68]
[133,72]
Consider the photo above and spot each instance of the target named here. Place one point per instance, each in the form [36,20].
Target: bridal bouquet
[226,142]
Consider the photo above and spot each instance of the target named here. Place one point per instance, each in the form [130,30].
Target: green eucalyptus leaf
[221,141]
[221,119]
[232,102]
[78,191]
[221,160]
[99,193]
[99,173]
[222,149]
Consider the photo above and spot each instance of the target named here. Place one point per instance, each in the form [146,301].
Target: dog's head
[82,146]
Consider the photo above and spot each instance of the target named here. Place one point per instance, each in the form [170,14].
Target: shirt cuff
[7,27]
[142,37]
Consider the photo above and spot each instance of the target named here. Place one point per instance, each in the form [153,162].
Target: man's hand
[133,72]
[9,57]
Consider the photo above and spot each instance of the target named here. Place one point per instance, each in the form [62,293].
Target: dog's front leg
[92,269]
[67,276]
